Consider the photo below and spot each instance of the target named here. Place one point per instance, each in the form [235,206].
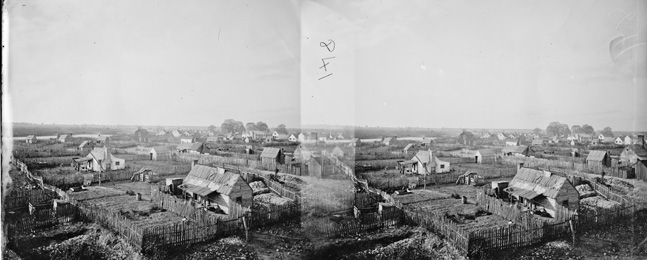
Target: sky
[461,64]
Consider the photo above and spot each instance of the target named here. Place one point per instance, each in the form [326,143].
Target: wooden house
[215,186]
[424,162]
[440,165]
[64,138]
[355,142]
[618,141]
[406,148]
[340,136]
[484,156]
[319,166]
[31,139]
[301,137]
[466,138]
[187,139]
[160,153]
[302,154]
[293,138]
[632,153]
[538,142]
[601,138]
[176,133]
[387,140]
[426,142]
[271,156]
[599,158]
[406,167]
[314,136]
[521,150]
[102,140]
[214,139]
[512,142]
[641,170]
[542,189]
[102,160]
[195,148]
[627,140]
[142,135]
[82,164]
[500,136]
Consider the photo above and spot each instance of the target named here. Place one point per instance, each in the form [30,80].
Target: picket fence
[112,220]
[16,199]
[583,167]
[440,224]
[369,221]
[42,217]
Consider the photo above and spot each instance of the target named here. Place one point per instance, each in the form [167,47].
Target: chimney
[641,140]
[193,163]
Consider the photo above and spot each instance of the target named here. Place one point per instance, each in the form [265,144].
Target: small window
[442,166]
[565,203]
[239,200]
[117,163]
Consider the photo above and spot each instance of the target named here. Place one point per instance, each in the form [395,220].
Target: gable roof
[423,156]
[100,154]
[407,147]
[83,144]
[596,155]
[270,152]
[205,180]
[160,149]
[532,183]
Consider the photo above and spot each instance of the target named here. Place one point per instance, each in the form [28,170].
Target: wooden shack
[215,186]
[538,189]
[598,158]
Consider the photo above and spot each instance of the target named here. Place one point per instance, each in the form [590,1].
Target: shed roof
[408,162]
[538,181]
[270,152]
[205,180]
[596,155]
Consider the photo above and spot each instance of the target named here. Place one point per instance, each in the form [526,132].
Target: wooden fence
[185,233]
[440,224]
[21,198]
[583,167]
[369,221]
[24,222]
[113,220]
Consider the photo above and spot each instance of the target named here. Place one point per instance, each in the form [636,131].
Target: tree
[281,129]
[576,129]
[557,129]
[251,126]
[607,131]
[232,126]
[587,129]
[212,128]
[537,131]
[262,126]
